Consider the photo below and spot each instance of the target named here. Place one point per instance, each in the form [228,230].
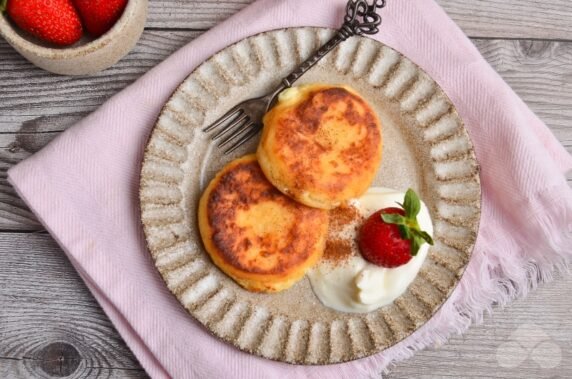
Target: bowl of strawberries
[72,37]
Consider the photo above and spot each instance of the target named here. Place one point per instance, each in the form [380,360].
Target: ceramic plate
[426,147]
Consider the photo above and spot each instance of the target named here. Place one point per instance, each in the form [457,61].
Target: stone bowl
[88,55]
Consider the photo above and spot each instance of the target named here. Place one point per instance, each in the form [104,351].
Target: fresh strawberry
[391,236]
[99,16]
[54,21]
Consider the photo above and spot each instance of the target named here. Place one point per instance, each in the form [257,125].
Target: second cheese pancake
[321,145]
[258,236]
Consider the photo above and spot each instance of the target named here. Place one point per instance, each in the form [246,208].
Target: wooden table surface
[50,325]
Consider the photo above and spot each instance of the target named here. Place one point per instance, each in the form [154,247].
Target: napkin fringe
[512,278]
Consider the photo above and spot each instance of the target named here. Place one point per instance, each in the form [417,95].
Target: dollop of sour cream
[358,286]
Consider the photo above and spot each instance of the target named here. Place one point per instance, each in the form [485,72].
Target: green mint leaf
[391,218]
[411,204]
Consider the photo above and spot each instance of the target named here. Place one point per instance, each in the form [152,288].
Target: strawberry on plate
[391,236]
[99,16]
[53,21]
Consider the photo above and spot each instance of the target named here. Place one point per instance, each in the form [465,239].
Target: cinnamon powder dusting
[341,243]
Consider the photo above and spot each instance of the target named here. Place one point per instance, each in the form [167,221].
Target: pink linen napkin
[83,188]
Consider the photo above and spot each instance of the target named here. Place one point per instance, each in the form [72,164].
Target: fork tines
[232,125]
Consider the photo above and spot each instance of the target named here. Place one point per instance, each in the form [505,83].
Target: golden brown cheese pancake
[259,237]
[321,145]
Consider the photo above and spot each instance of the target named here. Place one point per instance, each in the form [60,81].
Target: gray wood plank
[512,18]
[32,319]
[14,147]
[50,324]
[532,338]
[36,105]
[35,111]
[35,100]
[483,18]
[44,302]
[30,368]
[540,73]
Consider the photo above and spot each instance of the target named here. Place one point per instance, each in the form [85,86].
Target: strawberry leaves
[408,226]
[3,5]
[392,218]
[411,204]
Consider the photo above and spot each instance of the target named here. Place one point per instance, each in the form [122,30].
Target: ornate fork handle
[361,18]
[243,121]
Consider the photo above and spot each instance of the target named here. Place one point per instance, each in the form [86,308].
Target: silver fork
[244,120]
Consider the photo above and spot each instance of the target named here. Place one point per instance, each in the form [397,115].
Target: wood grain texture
[512,18]
[35,100]
[53,305]
[32,115]
[37,105]
[483,18]
[539,71]
[14,147]
[530,339]
[43,301]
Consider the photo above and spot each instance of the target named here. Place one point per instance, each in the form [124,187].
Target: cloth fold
[83,188]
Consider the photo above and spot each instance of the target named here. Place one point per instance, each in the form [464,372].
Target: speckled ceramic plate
[425,147]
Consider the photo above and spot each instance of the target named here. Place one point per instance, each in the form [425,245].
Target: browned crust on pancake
[240,250]
[298,148]
[241,188]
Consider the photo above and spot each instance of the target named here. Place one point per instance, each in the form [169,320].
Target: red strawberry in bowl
[53,21]
[392,236]
[99,16]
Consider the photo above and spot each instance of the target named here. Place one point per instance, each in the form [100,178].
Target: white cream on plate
[356,285]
